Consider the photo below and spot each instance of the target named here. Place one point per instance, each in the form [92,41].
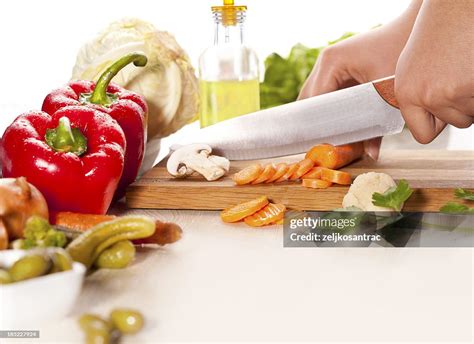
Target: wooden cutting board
[433,174]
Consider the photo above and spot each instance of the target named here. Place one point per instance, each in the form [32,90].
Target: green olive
[97,338]
[117,256]
[61,261]
[5,277]
[30,266]
[94,323]
[127,321]
[97,329]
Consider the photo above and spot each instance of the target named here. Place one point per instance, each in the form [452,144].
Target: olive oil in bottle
[228,70]
[221,100]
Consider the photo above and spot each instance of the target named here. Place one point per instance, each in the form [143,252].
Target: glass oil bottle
[228,70]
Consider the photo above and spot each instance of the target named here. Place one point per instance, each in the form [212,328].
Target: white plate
[29,303]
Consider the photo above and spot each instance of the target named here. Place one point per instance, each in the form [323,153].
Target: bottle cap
[229,13]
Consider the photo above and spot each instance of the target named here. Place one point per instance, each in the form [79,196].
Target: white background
[40,39]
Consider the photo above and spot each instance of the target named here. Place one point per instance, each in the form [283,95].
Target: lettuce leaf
[284,77]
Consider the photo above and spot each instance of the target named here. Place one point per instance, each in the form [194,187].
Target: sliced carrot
[267,173]
[337,177]
[316,183]
[281,169]
[268,215]
[248,174]
[291,169]
[314,173]
[242,210]
[335,157]
[303,167]
[280,222]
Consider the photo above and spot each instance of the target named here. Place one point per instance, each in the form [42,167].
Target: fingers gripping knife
[348,115]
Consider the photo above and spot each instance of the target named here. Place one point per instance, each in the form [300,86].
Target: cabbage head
[168,81]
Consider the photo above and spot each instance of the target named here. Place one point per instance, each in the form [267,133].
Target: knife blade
[345,116]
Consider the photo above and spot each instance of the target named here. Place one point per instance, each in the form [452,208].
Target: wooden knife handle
[386,89]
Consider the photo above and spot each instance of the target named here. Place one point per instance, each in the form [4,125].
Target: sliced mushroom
[220,161]
[196,157]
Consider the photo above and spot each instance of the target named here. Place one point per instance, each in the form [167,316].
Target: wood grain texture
[386,89]
[433,174]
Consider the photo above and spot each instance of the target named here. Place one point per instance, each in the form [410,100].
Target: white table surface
[234,283]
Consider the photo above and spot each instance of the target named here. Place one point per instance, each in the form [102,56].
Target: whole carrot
[335,157]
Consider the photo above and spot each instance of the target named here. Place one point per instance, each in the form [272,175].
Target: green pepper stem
[100,96]
[65,139]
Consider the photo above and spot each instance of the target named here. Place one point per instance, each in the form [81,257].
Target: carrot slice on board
[303,167]
[316,183]
[280,222]
[242,210]
[270,214]
[314,173]
[291,169]
[335,157]
[267,173]
[337,177]
[248,174]
[281,169]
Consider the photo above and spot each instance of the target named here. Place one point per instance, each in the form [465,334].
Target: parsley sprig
[393,197]
[459,208]
[464,194]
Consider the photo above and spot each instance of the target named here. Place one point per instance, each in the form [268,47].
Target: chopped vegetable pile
[317,169]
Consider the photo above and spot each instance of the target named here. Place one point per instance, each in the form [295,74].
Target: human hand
[434,79]
[360,59]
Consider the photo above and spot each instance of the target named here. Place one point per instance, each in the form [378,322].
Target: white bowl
[29,303]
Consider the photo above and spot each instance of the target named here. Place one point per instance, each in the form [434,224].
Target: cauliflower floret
[361,191]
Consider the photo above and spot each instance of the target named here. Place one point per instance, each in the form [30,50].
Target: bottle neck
[229,28]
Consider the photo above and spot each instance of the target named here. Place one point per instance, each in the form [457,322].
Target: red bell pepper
[75,157]
[129,109]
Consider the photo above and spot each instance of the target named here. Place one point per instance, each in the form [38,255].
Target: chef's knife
[348,115]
